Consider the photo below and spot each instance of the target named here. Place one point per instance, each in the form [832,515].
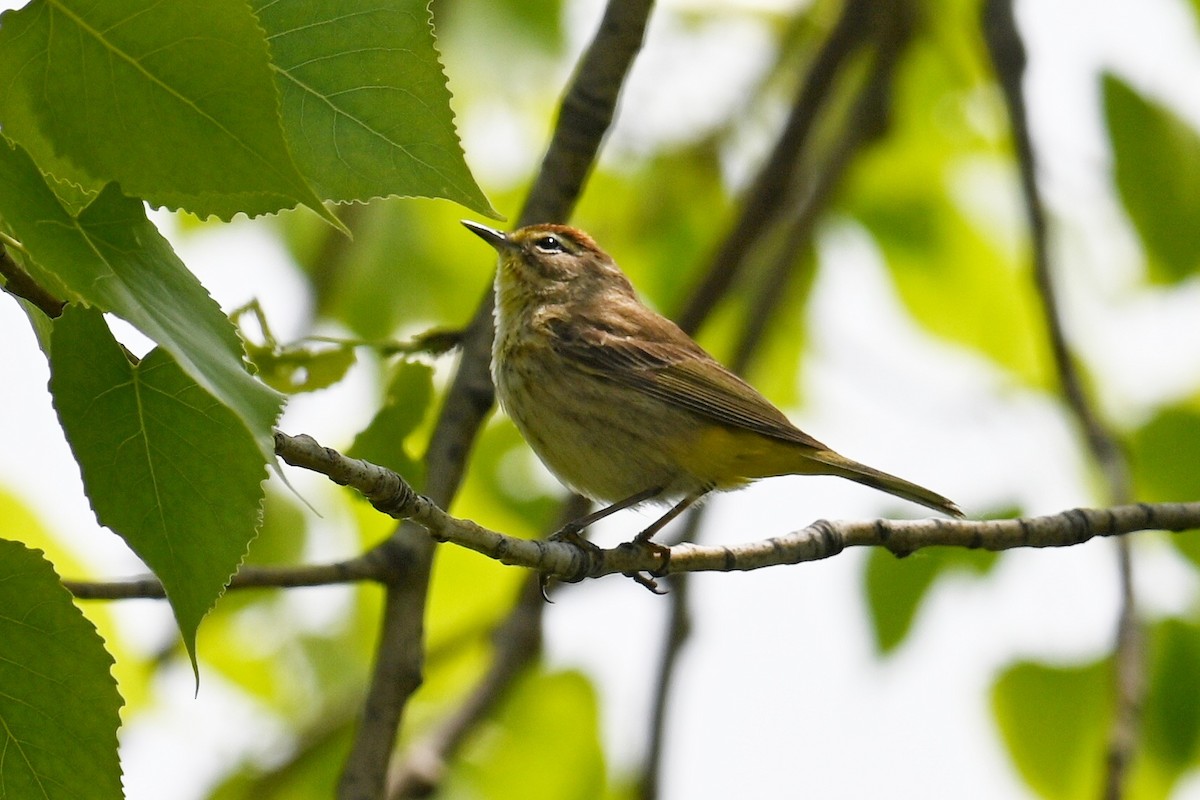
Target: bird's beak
[497,239]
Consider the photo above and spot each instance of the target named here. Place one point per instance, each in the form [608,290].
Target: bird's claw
[568,534]
[647,579]
[571,534]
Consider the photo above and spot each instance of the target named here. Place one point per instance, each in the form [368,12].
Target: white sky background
[779,692]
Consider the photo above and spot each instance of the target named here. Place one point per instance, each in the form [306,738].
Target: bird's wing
[678,371]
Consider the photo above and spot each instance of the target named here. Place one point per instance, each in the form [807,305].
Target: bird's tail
[869,476]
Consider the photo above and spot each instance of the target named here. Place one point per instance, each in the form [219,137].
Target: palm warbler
[623,406]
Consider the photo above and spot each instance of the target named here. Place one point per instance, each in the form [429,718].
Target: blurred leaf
[506,488]
[449,677]
[469,595]
[1163,452]
[311,772]
[780,356]
[660,221]
[301,369]
[1156,166]
[112,257]
[309,672]
[281,539]
[1165,469]
[896,587]
[166,466]
[1171,715]
[409,393]
[542,742]
[283,533]
[412,266]
[18,519]
[505,23]
[958,270]
[1054,722]
[176,102]
[364,100]
[59,706]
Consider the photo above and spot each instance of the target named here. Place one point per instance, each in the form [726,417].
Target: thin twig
[389,493]
[367,567]
[1008,55]
[679,630]
[518,644]
[19,282]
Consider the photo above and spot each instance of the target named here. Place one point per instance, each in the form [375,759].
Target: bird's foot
[568,534]
[572,534]
[647,578]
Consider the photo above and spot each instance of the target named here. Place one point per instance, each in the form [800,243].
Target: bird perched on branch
[623,406]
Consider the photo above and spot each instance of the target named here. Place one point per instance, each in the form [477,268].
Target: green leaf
[382,442]
[542,743]
[166,466]
[896,587]
[301,369]
[1156,166]
[962,275]
[175,101]
[59,704]
[112,257]
[987,306]
[408,267]
[364,100]
[1163,453]
[1054,721]
[1171,716]
[309,772]
[1165,469]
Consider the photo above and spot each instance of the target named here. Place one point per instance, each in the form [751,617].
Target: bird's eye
[549,244]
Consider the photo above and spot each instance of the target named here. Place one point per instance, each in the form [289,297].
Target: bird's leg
[644,539]
[570,531]
[645,536]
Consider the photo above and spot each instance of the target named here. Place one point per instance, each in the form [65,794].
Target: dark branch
[587,112]
[761,205]
[20,283]
[798,211]
[1008,55]
[587,109]
[518,642]
[365,568]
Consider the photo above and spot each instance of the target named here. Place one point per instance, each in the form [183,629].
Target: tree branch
[807,197]
[518,640]
[20,283]
[389,493]
[678,631]
[367,567]
[1008,55]
[587,110]
[761,204]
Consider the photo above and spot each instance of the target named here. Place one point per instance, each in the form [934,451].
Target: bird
[620,404]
